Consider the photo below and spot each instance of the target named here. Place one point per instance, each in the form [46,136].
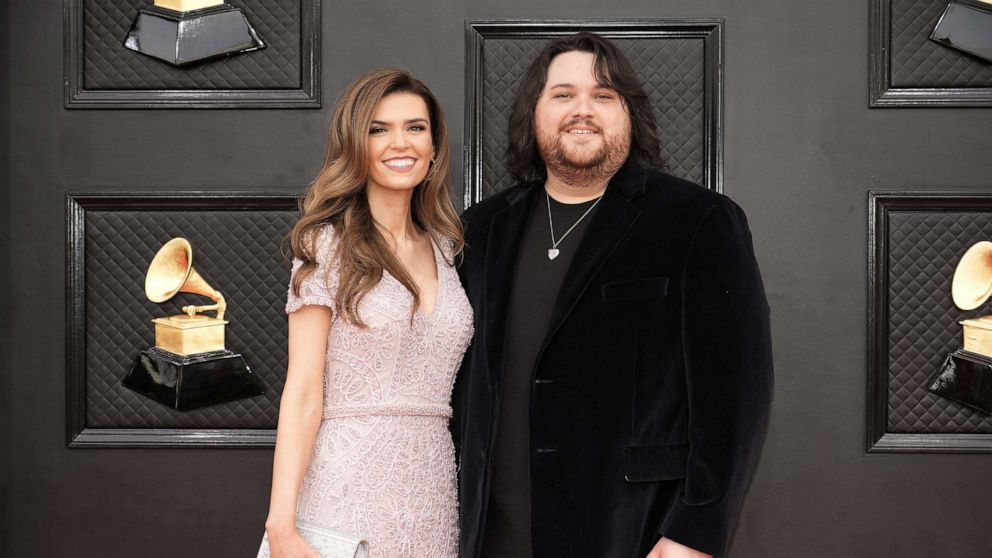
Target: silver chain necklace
[553,251]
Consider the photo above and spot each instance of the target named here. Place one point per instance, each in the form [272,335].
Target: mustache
[580,122]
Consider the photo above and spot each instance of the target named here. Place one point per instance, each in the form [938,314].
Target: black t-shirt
[536,282]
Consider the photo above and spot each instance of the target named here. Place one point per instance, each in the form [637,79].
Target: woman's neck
[392,213]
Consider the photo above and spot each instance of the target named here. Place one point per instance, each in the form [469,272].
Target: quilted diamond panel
[916,61]
[924,248]
[238,253]
[108,65]
[673,73]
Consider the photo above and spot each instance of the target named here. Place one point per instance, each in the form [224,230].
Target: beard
[580,166]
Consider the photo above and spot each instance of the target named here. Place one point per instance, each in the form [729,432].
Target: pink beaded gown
[383,463]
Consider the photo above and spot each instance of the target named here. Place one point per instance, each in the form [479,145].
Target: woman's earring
[431,170]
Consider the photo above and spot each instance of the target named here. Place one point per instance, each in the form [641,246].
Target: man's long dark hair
[612,70]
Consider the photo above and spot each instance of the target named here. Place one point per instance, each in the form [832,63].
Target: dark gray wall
[5,291]
[802,148]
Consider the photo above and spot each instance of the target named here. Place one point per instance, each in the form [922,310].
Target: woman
[378,323]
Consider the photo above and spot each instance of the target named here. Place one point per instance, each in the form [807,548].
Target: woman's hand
[289,544]
[667,548]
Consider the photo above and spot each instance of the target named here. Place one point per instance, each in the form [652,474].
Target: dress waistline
[388,410]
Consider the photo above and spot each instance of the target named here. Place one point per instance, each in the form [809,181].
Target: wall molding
[78,433]
[477,32]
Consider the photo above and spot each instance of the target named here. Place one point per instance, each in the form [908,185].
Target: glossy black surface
[182,38]
[966,377]
[886,38]
[966,28]
[191,382]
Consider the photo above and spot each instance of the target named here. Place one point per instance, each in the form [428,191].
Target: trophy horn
[972,283]
[171,272]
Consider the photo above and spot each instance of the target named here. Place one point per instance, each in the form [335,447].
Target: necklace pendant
[552,253]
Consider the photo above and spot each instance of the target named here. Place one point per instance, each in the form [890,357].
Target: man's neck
[563,192]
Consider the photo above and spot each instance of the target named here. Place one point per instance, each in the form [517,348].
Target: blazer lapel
[503,246]
[610,223]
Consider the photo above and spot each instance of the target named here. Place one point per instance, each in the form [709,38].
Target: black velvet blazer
[651,391]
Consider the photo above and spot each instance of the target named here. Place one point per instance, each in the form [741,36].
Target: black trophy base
[181,38]
[967,28]
[193,381]
[966,378]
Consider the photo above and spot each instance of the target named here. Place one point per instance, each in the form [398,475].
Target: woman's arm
[300,411]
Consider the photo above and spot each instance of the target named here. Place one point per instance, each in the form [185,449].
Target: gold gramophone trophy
[188,367]
[966,374]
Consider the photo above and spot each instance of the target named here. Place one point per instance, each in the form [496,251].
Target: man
[615,395]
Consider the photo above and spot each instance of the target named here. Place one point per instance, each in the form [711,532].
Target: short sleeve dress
[383,464]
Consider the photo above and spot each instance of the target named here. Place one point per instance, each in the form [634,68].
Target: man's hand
[667,548]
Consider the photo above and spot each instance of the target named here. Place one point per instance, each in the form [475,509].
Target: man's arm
[728,366]
[456,424]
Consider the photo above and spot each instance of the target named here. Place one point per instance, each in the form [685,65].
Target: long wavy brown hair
[338,196]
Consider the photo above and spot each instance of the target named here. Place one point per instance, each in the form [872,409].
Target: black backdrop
[7,293]
[801,151]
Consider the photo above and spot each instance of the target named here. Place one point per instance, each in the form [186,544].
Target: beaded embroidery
[383,462]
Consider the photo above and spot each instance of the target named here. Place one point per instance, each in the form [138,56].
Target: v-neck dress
[383,463]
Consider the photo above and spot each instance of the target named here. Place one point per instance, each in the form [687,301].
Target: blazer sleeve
[728,366]
[457,423]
